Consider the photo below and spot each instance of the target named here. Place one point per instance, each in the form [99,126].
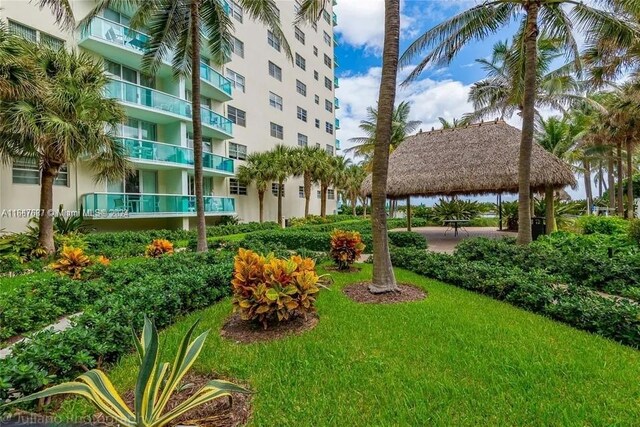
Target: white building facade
[258,99]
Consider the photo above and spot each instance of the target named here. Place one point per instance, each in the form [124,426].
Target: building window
[301,62]
[319,194]
[331,194]
[237,116]
[301,88]
[302,140]
[301,114]
[26,171]
[237,151]
[296,6]
[328,105]
[299,35]
[326,16]
[316,99]
[277,131]
[315,27]
[329,149]
[327,38]
[275,71]
[236,11]
[328,83]
[237,80]
[315,51]
[236,188]
[274,189]
[301,192]
[318,123]
[237,46]
[273,40]
[35,36]
[275,101]
[316,75]
[328,127]
[327,61]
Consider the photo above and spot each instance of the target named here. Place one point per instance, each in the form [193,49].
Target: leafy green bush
[456,209]
[405,239]
[591,224]
[634,230]
[317,219]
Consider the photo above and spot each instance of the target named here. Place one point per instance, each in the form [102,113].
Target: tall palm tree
[556,18]
[354,176]
[61,124]
[401,128]
[331,173]
[17,73]
[257,170]
[309,162]
[282,160]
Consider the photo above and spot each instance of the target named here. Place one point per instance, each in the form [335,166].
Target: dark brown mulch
[222,412]
[359,292]
[247,332]
[351,269]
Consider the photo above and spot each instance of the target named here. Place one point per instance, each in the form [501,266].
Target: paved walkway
[438,242]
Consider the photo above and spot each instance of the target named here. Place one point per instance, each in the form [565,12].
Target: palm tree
[556,18]
[454,123]
[354,176]
[61,124]
[17,75]
[257,170]
[309,161]
[401,128]
[282,160]
[331,173]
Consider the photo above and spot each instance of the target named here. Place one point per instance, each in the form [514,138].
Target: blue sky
[440,92]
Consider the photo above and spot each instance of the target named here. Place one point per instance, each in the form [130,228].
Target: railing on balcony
[335,19]
[151,98]
[124,205]
[336,82]
[335,40]
[336,103]
[337,123]
[335,61]
[160,152]
[337,144]
[215,78]
[115,33]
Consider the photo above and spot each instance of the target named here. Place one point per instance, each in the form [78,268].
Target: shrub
[634,230]
[346,247]
[11,263]
[72,262]
[610,225]
[407,239]
[159,247]
[266,289]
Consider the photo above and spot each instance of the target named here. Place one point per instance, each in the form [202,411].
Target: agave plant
[155,384]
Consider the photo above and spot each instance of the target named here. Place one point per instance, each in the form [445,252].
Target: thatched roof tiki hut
[473,160]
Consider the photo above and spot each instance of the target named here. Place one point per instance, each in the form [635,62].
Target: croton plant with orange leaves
[159,247]
[73,262]
[267,288]
[346,247]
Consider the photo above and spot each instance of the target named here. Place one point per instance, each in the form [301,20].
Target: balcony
[215,85]
[335,40]
[336,103]
[335,19]
[337,124]
[152,105]
[137,205]
[337,144]
[336,82]
[160,156]
[335,61]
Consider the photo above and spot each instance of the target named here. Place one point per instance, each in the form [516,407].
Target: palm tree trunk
[550,210]
[620,170]
[197,126]
[600,181]
[587,185]
[280,185]
[409,213]
[261,204]
[354,201]
[611,179]
[383,276]
[45,221]
[528,117]
[323,199]
[630,204]
[307,193]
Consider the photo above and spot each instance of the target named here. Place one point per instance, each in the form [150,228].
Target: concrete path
[438,242]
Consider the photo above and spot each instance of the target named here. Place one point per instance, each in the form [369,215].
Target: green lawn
[456,358]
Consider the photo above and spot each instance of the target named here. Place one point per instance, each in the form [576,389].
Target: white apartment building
[256,100]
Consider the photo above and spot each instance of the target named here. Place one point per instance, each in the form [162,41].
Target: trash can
[287,222]
[538,227]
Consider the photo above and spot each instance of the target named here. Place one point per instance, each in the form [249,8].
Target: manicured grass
[456,358]
[7,284]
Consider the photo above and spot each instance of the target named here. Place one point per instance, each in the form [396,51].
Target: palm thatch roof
[477,159]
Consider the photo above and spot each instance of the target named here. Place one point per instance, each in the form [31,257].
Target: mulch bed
[351,269]
[246,332]
[359,292]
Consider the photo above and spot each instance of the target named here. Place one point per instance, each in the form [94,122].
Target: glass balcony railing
[337,144]
[337,123]
[215,78]
[336,82]
[335,40]
[163,102]
[126,205]
[335,61]
[167,153]
[115,33]
[335,19]
[336,103]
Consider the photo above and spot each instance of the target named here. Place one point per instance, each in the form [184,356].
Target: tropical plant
[159,247]
[17,72]
[64,123]
[444,210]
[454,123]
[346,247]
[267,289]
[556,18]
[564,212]
[331,173]
[258,170]
[309,163]
[354,176]
[63,224]
[72,262]
[155,385]
[282,160]
[509,215]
